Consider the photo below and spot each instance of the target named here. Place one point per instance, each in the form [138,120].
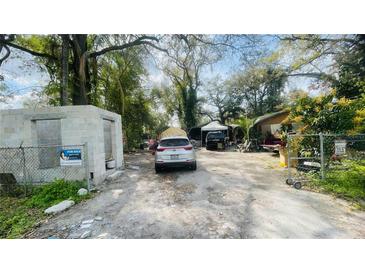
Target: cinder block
[79,124]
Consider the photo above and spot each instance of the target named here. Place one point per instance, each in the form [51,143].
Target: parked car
[175,152]
[215,140]
[144,144]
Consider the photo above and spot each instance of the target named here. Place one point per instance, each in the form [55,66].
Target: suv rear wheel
[193,167]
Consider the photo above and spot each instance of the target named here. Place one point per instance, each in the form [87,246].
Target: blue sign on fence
[70,157]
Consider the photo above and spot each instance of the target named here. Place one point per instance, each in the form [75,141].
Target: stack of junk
[173,132]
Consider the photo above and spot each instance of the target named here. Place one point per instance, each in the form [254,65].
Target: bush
[16,218]
[346,182]
[18,214]
[55,192]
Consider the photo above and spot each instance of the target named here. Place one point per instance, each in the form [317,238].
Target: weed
[20,214]
[346,181]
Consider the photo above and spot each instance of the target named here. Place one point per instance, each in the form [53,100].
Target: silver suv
[175,152]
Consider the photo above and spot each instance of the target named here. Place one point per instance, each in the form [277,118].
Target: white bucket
[110,164]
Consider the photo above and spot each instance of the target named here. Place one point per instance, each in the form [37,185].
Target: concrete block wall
[79,125]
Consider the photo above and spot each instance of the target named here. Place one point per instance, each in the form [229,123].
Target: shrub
[18,214]
[345,182]
[55,192]
[16,217]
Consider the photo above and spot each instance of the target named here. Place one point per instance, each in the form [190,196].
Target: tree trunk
[64,76]
[93,98]
[80,67]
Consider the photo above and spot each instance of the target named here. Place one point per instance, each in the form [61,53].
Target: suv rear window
[174,142]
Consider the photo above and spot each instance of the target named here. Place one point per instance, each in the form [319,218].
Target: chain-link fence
[38,165]
[319,154]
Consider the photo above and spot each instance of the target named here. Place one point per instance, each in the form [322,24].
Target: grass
[16,217]
[346,181]
[19,213]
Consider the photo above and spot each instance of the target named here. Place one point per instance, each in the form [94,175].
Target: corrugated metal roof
[268,116]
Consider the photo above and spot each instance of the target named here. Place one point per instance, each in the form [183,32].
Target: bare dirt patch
[230,195]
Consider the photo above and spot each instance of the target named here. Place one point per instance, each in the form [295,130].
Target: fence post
[321,139]
[289,170]
[86,159]
[25,182]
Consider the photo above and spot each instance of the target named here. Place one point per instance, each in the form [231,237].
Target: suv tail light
[160,149]
[188,148]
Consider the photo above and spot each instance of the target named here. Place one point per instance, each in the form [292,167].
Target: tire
[289,181]
[157,169]
[297,185]
[193,167]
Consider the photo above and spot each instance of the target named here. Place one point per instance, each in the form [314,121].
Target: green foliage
[55,192]
[260,88]
[18,215]
[137,118]
[177,100]
[188,54]
[120,85]
[351,81]
[321,114]
[245,123]
[226,102]
[50,45]
[347,181]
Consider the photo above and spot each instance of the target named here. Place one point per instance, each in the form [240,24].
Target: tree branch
[309,74]
[2,59]
[294,37]
[32,52]
[143,40]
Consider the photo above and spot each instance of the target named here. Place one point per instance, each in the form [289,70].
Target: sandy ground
[230,195]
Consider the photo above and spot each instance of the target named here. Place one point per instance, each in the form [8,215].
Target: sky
[24,77]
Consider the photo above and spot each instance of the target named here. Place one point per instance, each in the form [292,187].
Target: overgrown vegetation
[20,213]
[347,181]
[110,71]
[55,192]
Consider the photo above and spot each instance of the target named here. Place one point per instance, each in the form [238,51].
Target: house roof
[269,116]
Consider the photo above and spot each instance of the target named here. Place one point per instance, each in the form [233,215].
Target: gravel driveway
[231,195]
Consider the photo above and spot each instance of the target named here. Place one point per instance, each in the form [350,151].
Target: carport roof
[215,125]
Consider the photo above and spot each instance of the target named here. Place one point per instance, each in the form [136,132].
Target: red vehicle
[152,145]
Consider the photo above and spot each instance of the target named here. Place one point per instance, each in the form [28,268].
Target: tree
[187,56]
[333,60]
[85,51]
[323,114]
[120,89]
[64,78]
[260,88]
[351,65]
[4,92]
[226,103]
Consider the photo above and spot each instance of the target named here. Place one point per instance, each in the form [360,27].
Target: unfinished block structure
[98,132]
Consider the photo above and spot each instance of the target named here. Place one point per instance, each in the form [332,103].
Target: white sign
[340,147]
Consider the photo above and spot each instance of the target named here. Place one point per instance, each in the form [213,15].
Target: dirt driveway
[231,195]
